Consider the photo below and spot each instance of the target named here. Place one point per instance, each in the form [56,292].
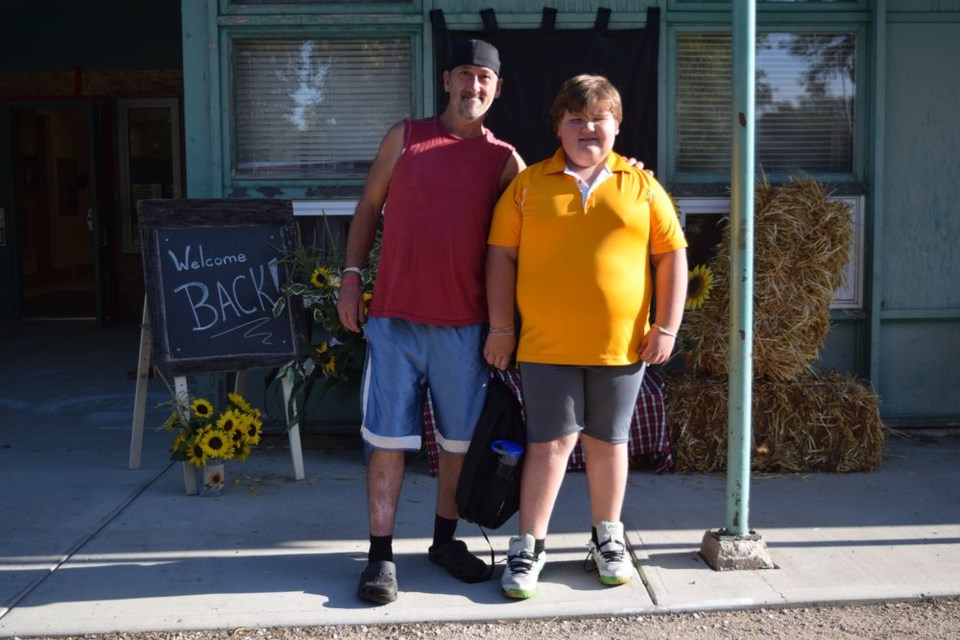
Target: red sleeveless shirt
[436,219]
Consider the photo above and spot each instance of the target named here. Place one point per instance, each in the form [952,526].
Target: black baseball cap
[477,52]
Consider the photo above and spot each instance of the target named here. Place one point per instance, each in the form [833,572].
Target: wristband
[663,331]
[502,331]
[356,270]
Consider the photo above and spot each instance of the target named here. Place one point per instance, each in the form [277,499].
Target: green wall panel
[922,188]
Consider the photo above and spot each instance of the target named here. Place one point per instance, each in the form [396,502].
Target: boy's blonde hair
[580,93]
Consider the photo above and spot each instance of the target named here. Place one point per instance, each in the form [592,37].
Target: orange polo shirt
[584,280]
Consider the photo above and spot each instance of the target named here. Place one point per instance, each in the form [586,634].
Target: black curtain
[535,62]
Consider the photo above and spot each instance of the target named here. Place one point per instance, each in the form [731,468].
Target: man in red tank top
[436,181]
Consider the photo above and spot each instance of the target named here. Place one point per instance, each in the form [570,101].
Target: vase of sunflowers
[206,438]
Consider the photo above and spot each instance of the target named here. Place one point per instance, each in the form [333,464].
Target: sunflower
[239,432]
[173,422]
[231,425]
[228,420]
[179,441]
[241,451]
[238,401]
[216,444]
[321,348]
[196,454]
[253,431]
[699,284]
[201,408]
[323,278]
[329,364]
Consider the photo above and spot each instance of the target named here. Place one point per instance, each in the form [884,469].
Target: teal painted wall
[916,317]
[919,290]
[922,221]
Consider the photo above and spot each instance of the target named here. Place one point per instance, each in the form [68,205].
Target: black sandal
[378,582]
[460,563]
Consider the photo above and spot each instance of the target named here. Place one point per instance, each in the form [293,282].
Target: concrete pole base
[724,552]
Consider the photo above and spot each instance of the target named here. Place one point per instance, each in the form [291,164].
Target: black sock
[381,549]
[596,539]
[443,530]
[538,546]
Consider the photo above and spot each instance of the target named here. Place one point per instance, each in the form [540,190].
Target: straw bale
[820,422]
[801,243]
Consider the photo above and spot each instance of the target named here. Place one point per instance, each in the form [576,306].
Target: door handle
[89,219]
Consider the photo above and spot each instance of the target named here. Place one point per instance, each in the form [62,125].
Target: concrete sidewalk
[90,546]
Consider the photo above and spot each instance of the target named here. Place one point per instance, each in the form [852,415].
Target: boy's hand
[498,350]
[656,347]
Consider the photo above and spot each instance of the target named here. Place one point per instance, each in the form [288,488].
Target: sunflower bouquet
[335,355]
[202,435]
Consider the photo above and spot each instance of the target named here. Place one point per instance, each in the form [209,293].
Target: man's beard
[472,109]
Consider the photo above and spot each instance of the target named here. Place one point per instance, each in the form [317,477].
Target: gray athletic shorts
[564,399]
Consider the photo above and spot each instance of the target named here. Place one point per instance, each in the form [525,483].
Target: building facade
[106,102]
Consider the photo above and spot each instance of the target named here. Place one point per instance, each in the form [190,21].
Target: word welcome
[203,262]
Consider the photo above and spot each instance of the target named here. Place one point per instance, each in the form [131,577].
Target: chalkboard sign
[213,271]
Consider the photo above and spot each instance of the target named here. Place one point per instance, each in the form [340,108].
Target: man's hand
[350,303]
[633,162]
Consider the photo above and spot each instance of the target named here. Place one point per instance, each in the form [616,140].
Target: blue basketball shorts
[404,359]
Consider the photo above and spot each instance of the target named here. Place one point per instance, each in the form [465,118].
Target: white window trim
[850,294]
[324,207]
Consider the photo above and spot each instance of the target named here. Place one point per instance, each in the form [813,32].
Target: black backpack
[484,496]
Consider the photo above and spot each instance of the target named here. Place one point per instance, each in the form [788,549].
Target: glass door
[54,201]
[149,134]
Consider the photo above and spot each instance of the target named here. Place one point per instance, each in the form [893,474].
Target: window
[149,137]
[805,99]
[703,220]
[316,108]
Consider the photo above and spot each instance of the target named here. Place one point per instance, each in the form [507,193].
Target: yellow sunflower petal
[699,285]
[239,402]
[201,408]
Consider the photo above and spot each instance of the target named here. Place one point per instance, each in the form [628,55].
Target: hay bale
[801,244]
[820,422]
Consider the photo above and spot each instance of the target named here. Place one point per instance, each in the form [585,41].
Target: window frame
[769,5]
[862,96]
[229,7]
[306,188]
[129,227]
[849,295]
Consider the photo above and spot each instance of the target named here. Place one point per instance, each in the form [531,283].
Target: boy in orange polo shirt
[572,241]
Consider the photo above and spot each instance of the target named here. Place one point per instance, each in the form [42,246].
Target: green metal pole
[741,271]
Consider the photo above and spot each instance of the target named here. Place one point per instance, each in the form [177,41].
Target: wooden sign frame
[212,269]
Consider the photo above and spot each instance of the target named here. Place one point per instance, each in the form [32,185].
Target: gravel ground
[934,618]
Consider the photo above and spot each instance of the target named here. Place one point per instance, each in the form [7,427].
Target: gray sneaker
[523,568]
[611,557]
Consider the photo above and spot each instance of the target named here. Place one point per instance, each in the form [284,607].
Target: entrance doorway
[53,198]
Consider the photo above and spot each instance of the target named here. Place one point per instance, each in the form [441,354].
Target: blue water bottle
[509,452]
